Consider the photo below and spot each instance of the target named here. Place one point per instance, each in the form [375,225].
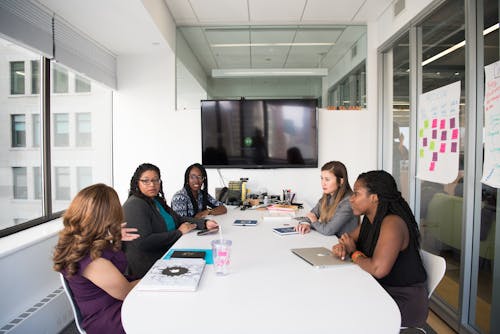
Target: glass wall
[80,143]
[451,218]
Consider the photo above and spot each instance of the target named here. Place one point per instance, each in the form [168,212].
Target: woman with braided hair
[193,200]
[387,244]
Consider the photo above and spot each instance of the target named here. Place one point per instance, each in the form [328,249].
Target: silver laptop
[319,257]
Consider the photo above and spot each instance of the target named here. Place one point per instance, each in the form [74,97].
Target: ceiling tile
[318,35]
[276,11]
[331,10]
[227,36]
[220,11]
[277,35]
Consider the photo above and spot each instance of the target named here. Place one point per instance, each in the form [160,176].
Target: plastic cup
[221,252]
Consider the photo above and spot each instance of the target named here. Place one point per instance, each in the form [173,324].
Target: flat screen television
[270,133]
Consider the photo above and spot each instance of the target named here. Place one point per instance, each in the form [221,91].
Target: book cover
[174,274]
[243,222]
[285,230]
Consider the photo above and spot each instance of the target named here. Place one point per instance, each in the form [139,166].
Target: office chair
[435,266]
[74,306]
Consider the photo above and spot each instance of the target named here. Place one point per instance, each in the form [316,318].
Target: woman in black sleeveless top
[387,244]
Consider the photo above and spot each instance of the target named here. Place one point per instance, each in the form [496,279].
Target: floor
[434,325]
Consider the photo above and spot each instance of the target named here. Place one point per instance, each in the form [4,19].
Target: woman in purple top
[89,256]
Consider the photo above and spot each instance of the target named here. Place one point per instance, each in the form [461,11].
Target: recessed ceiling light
[268,44]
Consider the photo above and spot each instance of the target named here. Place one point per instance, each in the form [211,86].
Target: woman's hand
[303,228]
[339,251]
[127,233]
[210,224]
[186,227]
[203,214]
[348,242]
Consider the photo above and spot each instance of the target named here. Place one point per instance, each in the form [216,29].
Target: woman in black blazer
[157,224]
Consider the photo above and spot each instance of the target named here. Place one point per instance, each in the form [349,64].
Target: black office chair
[74,306]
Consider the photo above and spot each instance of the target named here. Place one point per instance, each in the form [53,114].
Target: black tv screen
[280,133]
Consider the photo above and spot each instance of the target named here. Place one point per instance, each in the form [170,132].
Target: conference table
[268,289]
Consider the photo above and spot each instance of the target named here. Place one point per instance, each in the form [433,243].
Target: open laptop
[319,257]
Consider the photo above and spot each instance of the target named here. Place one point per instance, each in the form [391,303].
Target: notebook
[179,274]
[285,230]
[319,257]
[243,222]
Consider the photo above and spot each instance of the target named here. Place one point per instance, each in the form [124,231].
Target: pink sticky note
[443,135]
[434,123]
[454,147]
[432,166]
[442,148]
[452,122]
[442,124]
[454,134]
[434,134]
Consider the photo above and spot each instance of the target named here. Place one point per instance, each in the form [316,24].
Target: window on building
[83,129]
[61,130]
[17,75]
[84,177]
[18,130]
[82,85]
[20,184]
[60,79]
[36,130]
[63,183]
[37,183]
[35,77]
[350,91]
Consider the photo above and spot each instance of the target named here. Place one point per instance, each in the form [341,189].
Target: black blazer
[154,240]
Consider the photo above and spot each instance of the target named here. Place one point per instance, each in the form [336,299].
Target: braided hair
[203,189]
[390,201]
[134,184]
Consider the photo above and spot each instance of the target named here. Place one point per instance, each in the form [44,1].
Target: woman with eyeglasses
[157,224]
[193,200]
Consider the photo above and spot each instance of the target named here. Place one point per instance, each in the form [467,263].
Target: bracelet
[356,255]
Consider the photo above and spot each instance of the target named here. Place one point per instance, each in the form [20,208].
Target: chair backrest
[435,266]
[74,306]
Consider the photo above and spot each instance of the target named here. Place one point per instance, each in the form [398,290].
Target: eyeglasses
[147,182]
[197,177]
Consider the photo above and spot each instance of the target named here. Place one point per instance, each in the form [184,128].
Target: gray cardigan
[154,239]
[343,221]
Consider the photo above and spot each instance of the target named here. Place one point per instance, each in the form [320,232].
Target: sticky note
[432,166]
[452,122]
[434,156]
[442,124]
[443,135]
[421,152]
[434,123]
[454,147]
[432,145]
[426,124]
[454,134]
[424,142]
[442,148]
[434,134]
[421,133]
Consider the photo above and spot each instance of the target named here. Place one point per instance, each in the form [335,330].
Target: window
[350,91]
[18,130]
[36,129]
[35,77]
[17,75]
[61,130]
[62,183]
[60,79]
[20,185]
[37,183]
[83,129]
[84,176]
[82,85]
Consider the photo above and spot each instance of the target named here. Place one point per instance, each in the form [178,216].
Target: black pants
[413,303]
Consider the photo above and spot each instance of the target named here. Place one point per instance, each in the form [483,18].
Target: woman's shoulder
[181,194]
[393,222]
[134,201]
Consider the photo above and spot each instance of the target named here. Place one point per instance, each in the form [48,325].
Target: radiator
[49,316]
